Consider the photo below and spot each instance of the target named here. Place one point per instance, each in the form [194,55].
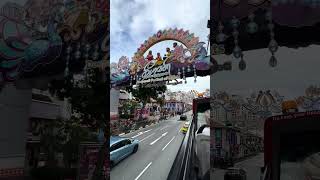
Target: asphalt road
[158,147]
[251,166]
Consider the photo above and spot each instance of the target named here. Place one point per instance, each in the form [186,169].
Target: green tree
[143,94]
[161,101]
[89,101]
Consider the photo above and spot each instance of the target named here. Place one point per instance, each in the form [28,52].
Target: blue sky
[134,21]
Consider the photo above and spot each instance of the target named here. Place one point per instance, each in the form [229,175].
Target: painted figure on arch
[168,54]
[149,56]
[159,60]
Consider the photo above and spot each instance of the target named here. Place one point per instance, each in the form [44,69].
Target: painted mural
[185,58]
[37,33]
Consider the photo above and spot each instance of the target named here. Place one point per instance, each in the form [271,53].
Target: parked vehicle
[235,174]
[183,117]
[120,148]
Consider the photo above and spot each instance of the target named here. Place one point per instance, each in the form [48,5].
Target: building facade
[174,106]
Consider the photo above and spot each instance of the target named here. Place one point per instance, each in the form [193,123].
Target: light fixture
[235,24]
[273,45]
[252,26]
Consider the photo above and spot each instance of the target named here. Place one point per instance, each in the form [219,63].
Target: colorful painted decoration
[38,33]
[179,61]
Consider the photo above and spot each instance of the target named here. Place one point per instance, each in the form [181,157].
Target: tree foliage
[89,100]
[143,94]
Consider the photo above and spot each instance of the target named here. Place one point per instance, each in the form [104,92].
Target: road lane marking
[143,171]
[147,137]
[164,134]
[163,128]
[168,143]
[140,133]
[147,130]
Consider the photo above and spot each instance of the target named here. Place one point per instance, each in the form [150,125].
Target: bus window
[296,152]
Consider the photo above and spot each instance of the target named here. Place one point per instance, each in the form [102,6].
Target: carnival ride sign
[154,73]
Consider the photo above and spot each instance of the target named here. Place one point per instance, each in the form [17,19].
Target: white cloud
[141,18]
[201,85]
[297,69]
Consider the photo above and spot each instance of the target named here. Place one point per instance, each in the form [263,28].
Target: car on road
[185,127]
[121,147]
[235,174]
[183,117]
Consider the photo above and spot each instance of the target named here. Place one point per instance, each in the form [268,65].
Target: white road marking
[140,133]
[168,143]
[147,130]
[143,171]
[147,137]
[164,134]
[163,128]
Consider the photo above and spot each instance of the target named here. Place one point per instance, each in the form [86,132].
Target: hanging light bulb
[273,45]
[221,37]
[189,69]
[273,61]
[235,22]
[252,26]
[237,50]
[183,73]
[242,64]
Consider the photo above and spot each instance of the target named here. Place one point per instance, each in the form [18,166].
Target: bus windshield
[298,156]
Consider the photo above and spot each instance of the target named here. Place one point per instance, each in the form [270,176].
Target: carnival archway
[176,64]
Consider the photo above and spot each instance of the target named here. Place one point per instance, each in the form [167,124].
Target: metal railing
[182,168]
